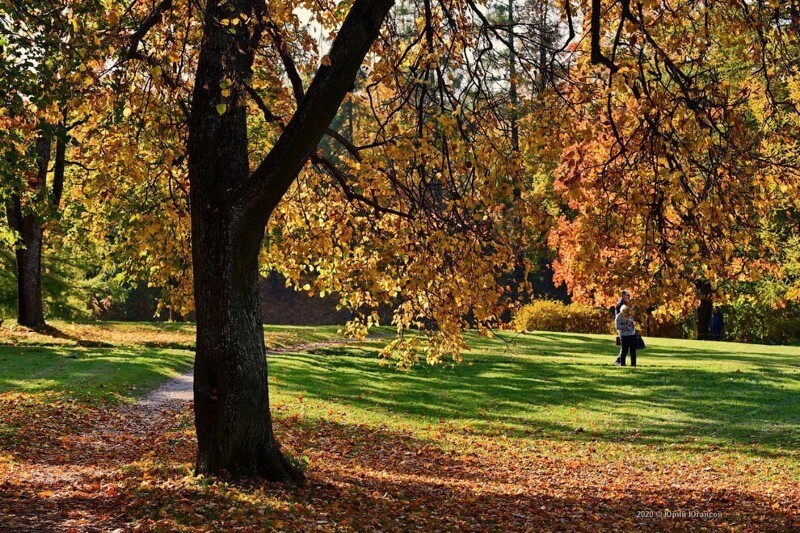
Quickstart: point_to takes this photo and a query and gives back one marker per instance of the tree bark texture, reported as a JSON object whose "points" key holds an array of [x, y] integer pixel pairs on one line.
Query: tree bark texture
{"points": [[30, 309], [230, 208], [28, 224]]}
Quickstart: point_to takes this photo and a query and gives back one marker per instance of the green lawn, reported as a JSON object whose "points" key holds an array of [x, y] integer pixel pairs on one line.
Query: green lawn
{"points": [[113, 374], [538, 432], [112, 361], [683, 395]]}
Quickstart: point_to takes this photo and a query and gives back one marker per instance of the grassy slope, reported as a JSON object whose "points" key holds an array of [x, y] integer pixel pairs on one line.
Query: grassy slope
{"points": [[685, 396], [89, 373], [542, 430], [111, 361], [684, 392]]}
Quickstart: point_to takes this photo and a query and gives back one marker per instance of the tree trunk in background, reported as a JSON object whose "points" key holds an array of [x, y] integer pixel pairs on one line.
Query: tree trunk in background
{"points": [[59, 165], [704, 310], [544, 75], [30, 309]]}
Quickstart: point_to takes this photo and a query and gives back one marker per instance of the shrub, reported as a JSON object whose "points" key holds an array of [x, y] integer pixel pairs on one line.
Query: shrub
{"points": [[550, 315], [749, 321], [745, 320]]}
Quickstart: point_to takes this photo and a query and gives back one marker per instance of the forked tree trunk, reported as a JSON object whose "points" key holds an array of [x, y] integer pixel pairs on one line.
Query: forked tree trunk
{"points": [[234, 430], [230, 209]]}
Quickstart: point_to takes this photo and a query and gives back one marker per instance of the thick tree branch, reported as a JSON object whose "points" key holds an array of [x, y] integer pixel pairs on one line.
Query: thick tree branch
{"points": [[59, 167], [269, 116], [79, 164], [595, 29], [570, 26], [261, 192], [147, 24], [288, 63], [350, 147]]}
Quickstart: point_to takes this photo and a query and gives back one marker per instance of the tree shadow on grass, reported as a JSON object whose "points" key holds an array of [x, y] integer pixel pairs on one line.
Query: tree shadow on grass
{"points": [[56, 333], [375, 479], [515, 395], [758, 355], [66, 368], [364, 478], [49, 397], [405, 482]]}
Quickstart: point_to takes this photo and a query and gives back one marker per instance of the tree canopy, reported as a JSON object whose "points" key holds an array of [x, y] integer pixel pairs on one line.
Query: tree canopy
{"points": [[426, 156]]}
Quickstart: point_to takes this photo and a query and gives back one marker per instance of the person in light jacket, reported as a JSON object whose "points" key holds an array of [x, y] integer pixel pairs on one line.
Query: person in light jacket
{"points": [[627, 334]]}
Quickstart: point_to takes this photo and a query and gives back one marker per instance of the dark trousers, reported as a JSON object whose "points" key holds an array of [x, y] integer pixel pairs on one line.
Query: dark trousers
{"points": [[628, 343]]}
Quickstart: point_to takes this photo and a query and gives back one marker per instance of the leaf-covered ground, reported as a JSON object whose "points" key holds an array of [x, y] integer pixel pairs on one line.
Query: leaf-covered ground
{"points": [[544, 435]]}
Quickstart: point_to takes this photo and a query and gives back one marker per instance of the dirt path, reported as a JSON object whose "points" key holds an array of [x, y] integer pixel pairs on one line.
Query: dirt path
{"points": [[68, 464], [179, 389], [65, 474]]}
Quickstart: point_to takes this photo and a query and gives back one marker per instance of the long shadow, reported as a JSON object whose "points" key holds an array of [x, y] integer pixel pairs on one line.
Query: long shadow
{"points": [[119, 370], [700, 350], [375, 479], [751, 409], [368, 478], [56, 333]]}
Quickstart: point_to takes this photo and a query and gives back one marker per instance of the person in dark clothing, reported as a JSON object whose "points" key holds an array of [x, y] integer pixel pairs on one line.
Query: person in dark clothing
{"points": [[627, 333], [716, 324], [624, 299]]}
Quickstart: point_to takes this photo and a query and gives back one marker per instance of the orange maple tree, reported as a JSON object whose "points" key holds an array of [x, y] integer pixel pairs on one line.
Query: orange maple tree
{"points": [[679, 153]]}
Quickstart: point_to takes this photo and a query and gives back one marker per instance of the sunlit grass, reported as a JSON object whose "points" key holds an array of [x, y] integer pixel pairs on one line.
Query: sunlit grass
{"points": [[113, 374], [565, 428], [684, 394]]}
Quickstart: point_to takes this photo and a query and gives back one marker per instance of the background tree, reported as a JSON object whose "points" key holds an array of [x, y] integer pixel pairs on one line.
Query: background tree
{"points": [[669, 179], [45, 77]]}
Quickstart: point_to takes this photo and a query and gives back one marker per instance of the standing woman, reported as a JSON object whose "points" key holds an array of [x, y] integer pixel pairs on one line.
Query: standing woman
{"points": [[627, 334]]}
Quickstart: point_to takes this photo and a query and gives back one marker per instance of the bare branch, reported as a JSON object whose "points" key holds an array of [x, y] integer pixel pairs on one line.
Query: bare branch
{"points": [[262, 191], [597, 53]]}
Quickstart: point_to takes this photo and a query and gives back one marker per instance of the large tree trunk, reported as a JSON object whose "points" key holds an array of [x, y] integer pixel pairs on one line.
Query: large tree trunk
{"points": [[230, 209], [234, 430]]}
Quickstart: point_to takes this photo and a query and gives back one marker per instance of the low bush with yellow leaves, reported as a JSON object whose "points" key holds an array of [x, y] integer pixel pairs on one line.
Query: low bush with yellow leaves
{"points": [[551, 315]]}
